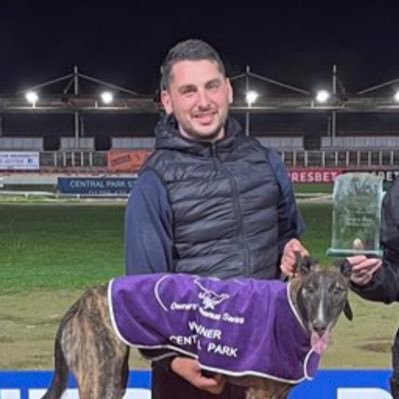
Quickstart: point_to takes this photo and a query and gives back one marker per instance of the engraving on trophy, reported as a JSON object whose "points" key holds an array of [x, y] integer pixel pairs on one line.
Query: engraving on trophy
{"points": [[356, 215]]}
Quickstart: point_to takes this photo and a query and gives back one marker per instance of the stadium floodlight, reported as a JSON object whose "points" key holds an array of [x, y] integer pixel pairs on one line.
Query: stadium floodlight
{"points": [[251, 97], [107, 97], [32, 97], [322, 96], [396, 96]]}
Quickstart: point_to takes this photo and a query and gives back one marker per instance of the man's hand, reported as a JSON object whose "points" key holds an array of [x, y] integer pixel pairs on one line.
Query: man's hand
{"points": [[189, 370], [288, 260], [363, 268]]}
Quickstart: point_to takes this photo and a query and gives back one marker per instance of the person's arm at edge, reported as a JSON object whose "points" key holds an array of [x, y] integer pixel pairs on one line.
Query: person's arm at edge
{"points": [[383, 285]]}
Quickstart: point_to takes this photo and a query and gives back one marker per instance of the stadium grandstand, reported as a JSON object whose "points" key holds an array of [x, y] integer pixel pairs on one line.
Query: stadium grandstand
{"points": [[65, 126]]}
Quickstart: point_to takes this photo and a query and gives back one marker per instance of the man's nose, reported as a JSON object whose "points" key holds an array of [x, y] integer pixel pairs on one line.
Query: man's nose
{"points": [[203, 99]]}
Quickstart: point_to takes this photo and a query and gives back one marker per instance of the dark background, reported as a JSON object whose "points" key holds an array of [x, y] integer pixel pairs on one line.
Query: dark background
{"points": [[124, 42]]}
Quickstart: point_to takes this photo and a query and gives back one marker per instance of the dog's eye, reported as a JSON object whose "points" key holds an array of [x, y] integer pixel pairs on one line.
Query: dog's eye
{"points": [[310, 290], [338, 289]]}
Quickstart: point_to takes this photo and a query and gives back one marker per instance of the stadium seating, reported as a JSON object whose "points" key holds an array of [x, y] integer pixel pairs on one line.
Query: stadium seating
{"points": [[119, 143], [21, 143], [282, 143], [360, 143], [72, 143]]}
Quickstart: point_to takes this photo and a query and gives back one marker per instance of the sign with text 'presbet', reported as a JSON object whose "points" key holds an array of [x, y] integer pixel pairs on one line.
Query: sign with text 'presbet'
{"points": [[312, 175], [328, 175], [328, 384]]}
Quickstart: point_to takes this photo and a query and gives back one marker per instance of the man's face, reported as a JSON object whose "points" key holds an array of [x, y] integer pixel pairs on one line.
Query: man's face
{"points": [[199, 97]]}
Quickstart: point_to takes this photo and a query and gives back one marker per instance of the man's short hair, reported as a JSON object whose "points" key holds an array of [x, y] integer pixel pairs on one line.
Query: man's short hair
{"points": [[188, 50]]}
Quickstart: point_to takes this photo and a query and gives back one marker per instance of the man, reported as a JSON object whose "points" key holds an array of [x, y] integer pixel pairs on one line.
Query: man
{"points": [[378, 280], [209, 201]]}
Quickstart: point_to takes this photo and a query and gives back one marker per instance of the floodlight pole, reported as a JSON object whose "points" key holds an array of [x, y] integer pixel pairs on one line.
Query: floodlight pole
{"points": [[76, 93], [1, 125], [247, 120], [334, 112]]}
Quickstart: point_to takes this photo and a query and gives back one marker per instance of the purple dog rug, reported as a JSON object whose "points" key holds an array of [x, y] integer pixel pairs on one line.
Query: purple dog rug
{"points": [[237, 327]]}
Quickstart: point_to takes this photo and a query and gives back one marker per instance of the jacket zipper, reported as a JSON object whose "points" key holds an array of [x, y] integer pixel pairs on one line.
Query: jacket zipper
{"points": [[236, 205]]}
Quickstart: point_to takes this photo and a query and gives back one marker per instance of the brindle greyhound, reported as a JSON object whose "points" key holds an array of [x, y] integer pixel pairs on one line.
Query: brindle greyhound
{"points": [[86, 342]]}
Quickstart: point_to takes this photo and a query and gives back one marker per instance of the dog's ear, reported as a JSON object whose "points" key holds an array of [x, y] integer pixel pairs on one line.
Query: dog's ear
{"points": [[305, 264], [344, 267], [348, 311]]}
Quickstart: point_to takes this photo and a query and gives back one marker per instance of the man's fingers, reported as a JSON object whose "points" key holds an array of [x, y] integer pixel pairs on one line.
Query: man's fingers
{"points": [[356, 260], [287, 266], [361, 279], [295, 245], [363, 273], [367, 264]]}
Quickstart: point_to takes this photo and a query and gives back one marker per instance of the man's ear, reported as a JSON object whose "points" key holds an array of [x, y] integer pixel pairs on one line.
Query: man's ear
{"points": [[166, 102], [230, 92]]}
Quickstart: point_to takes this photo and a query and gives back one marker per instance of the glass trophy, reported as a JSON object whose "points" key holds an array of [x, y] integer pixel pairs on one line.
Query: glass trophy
{"points": [[356, 215]]}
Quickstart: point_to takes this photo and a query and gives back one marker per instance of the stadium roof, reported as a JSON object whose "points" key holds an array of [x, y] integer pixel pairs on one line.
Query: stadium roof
{"points": [[283, 99]]}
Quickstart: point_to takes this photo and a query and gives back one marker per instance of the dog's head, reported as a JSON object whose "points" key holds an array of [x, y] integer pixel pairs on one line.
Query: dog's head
{"points": [[321, 297]]}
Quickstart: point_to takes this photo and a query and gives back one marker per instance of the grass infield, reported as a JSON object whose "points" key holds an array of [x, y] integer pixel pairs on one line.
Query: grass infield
{"points": [[50, 252]]}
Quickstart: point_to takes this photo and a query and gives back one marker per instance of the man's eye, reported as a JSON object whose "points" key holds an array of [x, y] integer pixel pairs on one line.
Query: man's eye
{"points": [[213, 86], [188, 91]]}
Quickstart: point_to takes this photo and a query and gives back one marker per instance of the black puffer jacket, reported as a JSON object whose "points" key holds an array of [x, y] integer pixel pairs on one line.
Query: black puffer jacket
{"points": [[224, 198]]}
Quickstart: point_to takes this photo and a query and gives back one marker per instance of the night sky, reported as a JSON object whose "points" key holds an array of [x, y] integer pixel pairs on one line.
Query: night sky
{"points": [[124, 42]]}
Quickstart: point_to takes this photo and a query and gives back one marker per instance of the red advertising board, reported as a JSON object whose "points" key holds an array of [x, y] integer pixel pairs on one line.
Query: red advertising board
{"points": [[126, 161]]}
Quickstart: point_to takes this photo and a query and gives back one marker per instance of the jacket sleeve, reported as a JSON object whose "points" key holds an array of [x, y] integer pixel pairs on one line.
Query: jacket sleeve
{"points": [[384, 287], [290, 222], [148, 227], [149, 239]]}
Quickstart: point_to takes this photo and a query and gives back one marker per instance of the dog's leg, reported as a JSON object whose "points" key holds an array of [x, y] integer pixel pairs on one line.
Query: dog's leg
{"points": [[258, 393], [284, 393], [103, 371], [60, 378], [93, 352], [269, 390], [113, 375], [125, 373], [61, 369]]}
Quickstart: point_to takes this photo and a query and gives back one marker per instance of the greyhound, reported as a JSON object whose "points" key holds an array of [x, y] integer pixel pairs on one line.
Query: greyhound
{"points": [[91, 344]]}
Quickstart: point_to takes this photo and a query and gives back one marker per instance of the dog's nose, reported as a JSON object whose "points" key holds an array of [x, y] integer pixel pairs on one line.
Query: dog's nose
{"points": [[319, 327]]}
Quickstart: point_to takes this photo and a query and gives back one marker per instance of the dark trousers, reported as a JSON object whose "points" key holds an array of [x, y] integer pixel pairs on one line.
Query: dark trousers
{"points": [[395, 365], [168, 385]]}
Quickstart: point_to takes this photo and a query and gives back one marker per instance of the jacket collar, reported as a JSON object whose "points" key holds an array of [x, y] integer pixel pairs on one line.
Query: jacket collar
{"points": [[168, 137]]}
